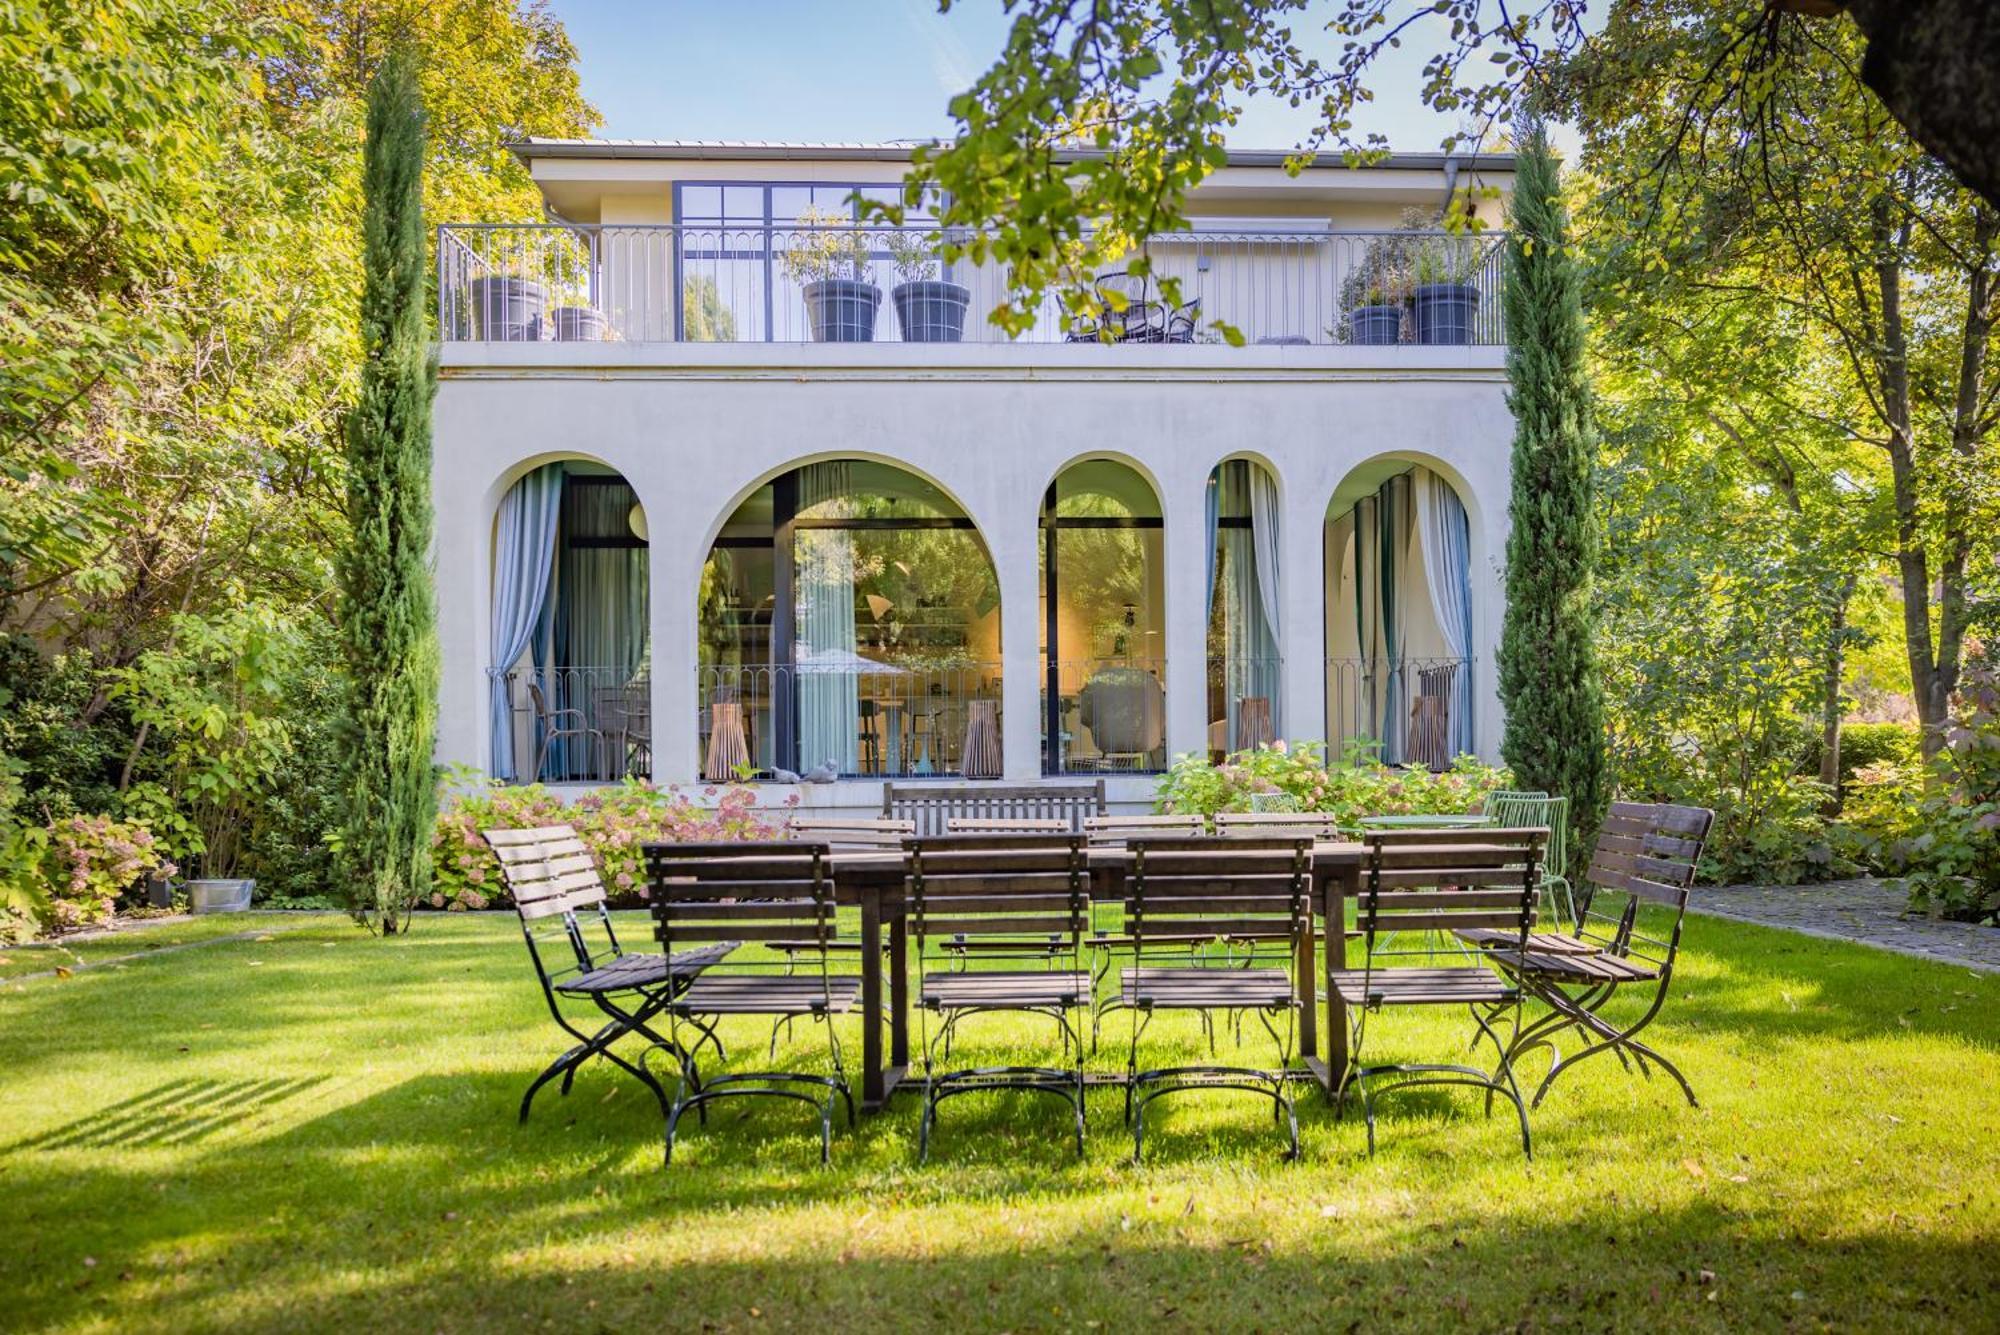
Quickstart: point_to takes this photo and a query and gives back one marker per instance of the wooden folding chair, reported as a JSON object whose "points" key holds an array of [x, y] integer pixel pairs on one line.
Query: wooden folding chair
{"points": [[1643, 850], [552, 878], [761, 892], [1432, 883], [1243, 889], [1014, 893]]}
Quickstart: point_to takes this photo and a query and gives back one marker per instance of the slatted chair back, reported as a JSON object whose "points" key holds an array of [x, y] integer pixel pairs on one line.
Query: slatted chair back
{"points": [[1276, 825], [773, 890], [1643, 850], [993, 889], [552, 878], [930, 806], [1436, 882], [1005, 825], [1237, 889], [853, 833], [1120, 829]]}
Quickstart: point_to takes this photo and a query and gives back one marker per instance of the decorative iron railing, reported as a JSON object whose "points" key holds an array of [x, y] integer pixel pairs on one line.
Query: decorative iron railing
{"points": [[1415, 711], [683, 283], [873, 719], [580, 724]]}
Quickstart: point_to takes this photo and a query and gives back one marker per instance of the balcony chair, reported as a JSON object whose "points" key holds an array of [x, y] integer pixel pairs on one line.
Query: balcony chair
{"points": [[553, 726]]}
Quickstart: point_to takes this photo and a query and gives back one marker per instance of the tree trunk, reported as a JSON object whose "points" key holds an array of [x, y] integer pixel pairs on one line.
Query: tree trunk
{"points": [[1936, 66], [1830, 698]]}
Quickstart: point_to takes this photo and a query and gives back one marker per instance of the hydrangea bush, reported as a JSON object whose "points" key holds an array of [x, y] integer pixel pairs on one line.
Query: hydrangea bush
{"points": [[93, 860], [613, 822], [1294, 776]]}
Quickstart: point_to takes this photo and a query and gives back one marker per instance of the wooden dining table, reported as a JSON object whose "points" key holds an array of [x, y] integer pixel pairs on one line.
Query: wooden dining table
{"points": [[872, 881]]}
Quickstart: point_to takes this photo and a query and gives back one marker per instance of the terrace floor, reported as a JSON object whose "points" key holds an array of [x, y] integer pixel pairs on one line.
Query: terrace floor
{"points": [[311, 1128]]}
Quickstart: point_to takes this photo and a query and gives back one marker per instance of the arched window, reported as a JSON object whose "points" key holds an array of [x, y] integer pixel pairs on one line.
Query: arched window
{"points": [[849, 619], [1399, 616], [570, 696], [1103, 622], [1245, 667]]}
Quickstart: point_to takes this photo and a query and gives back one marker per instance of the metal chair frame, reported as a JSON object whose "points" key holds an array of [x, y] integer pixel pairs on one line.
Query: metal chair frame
{"points": [[553, 879], [1439, 882], [1208, 886], [1522, 810], [764, 892], [1012, 891], [550, 729]]}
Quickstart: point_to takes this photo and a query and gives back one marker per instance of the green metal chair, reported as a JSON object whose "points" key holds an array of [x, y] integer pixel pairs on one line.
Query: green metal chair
{"points": [[1525, 810]]}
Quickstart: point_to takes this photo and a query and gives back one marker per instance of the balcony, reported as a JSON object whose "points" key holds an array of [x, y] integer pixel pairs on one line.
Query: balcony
{"points": [[793, 284]]}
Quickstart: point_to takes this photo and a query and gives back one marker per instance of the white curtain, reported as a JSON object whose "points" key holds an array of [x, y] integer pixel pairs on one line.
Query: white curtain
{"points": [[524, 555], [828, 665], [1445, 531]]}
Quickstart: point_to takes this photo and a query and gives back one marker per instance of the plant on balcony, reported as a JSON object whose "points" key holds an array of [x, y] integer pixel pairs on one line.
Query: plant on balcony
{"points": [[1374, 291], [828, 258], [1442, 297], [928, 309]]}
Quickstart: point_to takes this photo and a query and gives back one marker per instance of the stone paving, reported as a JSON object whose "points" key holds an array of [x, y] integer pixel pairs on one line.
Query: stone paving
{"points": [[1864, 911]]}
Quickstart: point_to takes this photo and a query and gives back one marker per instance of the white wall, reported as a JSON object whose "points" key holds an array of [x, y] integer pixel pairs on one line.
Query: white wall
{"points": [[695, 427]]}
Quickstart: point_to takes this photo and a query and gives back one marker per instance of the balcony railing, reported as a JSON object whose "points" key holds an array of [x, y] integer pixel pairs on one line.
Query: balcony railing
{"points": [[693, 284], [580, 724]]}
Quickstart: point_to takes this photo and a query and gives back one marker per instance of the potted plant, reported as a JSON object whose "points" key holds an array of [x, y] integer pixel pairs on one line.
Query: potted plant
{"points": [[573, 322], [829, 260], [1442, 301], [507, 308], [928, 309], [1373, 292]]}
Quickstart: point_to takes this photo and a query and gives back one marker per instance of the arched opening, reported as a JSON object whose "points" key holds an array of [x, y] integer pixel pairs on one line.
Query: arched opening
{"points": [[849, 622], [1399, 671], [569, 637], [1245, 667], [1103, 622]]}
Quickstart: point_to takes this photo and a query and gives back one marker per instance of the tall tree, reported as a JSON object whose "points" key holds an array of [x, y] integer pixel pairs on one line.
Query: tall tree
{"points": [[387, 615], [1549, 685]]}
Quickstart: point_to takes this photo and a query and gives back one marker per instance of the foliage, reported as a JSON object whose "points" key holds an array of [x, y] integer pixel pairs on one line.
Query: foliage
{"points": [[388, 626], [1875, 746], [1295, 777], [216, 694], [1959, 847], [92, 860], [914, 255], [1549, 686], [613, 822], [826, 246]]}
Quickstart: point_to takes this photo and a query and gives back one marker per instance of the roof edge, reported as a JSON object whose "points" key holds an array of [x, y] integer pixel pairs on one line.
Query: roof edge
{"points": [[528, 150]]}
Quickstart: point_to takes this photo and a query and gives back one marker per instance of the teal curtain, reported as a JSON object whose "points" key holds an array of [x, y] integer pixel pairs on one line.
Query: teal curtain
{"points": [[599, 630], [1392, 504], [828, 666], [1250, 642]]}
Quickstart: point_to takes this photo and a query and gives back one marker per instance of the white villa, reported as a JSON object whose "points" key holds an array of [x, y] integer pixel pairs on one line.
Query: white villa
{"points": [[729, 485]]}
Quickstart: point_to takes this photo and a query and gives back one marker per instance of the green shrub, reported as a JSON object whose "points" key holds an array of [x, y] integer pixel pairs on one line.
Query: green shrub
{"points": [[613, 822], [92, 860], [1958, 852], [1295, 777], [1882, 817]]}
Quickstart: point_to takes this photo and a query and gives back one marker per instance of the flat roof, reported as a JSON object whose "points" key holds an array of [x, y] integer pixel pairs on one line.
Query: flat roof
{"points": [[697, 150]]}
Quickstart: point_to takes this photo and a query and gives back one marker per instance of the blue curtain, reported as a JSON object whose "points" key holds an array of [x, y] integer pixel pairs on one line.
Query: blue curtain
{"points": [[1446, 534], [828, 666], [523, 561], [1250, 641]]}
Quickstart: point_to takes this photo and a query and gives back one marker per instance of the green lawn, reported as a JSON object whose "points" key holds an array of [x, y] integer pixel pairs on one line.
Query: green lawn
{"points": [[316, 1130]]}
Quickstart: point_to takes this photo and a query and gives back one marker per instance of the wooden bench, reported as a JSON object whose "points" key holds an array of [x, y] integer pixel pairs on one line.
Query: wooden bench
{"points": [[932, 806]]}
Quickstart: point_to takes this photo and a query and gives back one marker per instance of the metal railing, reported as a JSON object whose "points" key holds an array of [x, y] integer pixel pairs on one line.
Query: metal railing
{"points": [[1113, 716], [883, 720], [683, 283], [1243, 700], [580, 724], [1406, 706]]}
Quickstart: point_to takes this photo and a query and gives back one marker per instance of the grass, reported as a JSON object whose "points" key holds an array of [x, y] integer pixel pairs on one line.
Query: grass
{"points": [[120, 948], [316, 1130]]}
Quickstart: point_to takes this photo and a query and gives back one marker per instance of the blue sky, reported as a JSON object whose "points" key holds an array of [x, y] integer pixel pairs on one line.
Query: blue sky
{"points": [[840, 70]]}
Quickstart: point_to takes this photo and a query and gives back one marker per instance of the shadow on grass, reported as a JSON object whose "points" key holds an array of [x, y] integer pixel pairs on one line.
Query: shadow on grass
{"points": [[186, 1111]]}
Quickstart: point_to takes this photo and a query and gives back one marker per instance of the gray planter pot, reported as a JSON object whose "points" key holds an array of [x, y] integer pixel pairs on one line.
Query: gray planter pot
{"points": [[1442, 312], [1376, 325], [930, 311], [232, 896], [506, 309], [842, 310], [572, 324]]}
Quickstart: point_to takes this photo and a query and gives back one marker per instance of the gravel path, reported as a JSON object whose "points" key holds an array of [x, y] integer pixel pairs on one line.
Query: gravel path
{"points": [[1863, 911]]}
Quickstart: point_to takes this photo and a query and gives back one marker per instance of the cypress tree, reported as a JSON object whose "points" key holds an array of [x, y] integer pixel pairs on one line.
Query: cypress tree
{"points": [[388, 630], [1549, 683]]}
